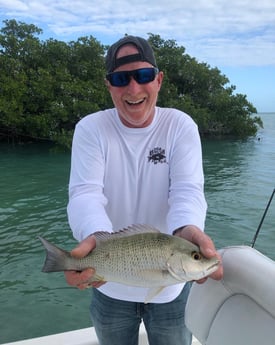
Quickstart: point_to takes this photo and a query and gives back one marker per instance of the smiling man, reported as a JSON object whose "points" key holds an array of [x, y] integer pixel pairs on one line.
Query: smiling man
{"points": [[135, 101], [136, 164]]}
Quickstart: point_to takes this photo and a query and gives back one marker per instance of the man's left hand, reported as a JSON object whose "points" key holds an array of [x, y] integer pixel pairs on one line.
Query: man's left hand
{"points": [[193, 234]]}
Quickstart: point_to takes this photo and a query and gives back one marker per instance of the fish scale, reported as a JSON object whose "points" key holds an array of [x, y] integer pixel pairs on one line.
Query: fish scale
{"points": [[137, 256], [149, 253]]}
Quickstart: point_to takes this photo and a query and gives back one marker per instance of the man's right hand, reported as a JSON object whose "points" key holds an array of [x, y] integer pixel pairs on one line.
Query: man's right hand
{"points": [[83, 279]]}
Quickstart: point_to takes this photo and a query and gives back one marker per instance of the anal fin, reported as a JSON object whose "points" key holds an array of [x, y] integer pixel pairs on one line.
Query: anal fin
{"points": [[96, 278]]}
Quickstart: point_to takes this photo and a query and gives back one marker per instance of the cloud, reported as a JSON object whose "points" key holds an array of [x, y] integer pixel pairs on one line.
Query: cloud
{"points": [[218, 32]]}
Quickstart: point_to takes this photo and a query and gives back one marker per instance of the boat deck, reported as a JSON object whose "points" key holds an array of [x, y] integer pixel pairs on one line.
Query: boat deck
{"points": [[85, 336]]}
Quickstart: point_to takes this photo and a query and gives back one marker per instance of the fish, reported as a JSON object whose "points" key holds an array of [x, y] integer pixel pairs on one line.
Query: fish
{"points": [[139, 255]]}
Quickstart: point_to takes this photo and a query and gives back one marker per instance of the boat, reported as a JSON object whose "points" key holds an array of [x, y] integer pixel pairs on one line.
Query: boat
{"points": [[239, 309], [85, 336]]}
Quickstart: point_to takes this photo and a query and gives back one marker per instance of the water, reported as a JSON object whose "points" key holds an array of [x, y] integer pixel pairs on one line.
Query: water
{"points": [[239, 180], [239, 176]]}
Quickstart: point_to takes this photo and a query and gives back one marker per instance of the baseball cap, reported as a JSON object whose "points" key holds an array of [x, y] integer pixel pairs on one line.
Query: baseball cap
{"points": [[145, 53]]}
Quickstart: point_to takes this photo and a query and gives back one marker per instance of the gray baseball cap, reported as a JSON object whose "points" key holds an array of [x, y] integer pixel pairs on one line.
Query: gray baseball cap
{"points": [[145, 53]]}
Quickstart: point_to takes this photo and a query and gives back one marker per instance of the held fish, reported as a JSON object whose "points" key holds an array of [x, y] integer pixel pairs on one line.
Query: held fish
{"points": [[138, 256]]}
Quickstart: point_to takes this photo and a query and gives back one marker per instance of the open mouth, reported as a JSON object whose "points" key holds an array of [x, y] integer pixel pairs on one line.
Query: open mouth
{"points": [[215, 265], [133, 103]]}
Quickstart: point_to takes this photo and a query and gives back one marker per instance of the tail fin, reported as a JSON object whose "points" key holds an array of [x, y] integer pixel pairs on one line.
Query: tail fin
{"points": [[56, 258]]}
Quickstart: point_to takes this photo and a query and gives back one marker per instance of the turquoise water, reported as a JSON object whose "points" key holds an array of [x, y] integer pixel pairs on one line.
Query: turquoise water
{"points": [[239, 179]]}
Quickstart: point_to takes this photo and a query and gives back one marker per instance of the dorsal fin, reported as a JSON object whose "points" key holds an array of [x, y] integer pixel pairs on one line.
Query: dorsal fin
{"points": [[102, 236]]}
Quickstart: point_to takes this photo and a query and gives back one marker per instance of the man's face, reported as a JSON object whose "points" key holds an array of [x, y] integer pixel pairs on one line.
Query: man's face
{"points": [[135, 102]]}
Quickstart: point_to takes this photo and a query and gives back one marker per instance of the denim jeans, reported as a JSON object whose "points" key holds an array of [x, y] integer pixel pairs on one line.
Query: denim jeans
{"points": [[117, 322]]}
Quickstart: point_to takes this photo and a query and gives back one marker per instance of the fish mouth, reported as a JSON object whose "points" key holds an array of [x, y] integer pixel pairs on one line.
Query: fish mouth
{"points": [[215, 265]]}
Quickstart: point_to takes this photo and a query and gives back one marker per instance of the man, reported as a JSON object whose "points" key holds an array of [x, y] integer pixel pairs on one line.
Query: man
{"points": [[136, 164]]}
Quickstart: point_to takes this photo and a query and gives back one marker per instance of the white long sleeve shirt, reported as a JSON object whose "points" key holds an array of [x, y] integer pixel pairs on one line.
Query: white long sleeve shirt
{"points": [[122, 176]]}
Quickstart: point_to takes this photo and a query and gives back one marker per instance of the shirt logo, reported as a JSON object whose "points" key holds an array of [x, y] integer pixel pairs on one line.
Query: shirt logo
{"points": [[157, 155]]}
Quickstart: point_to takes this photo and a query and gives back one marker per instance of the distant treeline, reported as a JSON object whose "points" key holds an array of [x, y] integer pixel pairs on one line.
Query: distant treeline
{"points": [[47, 86]]}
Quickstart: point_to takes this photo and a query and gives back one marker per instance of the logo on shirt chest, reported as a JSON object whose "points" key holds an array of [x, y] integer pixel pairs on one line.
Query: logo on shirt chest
{"points": [[157, 155]]}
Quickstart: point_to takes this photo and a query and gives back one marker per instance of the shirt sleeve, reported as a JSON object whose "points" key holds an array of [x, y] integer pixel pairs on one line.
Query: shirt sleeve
{"points": [[86, 207], [187, 204]]}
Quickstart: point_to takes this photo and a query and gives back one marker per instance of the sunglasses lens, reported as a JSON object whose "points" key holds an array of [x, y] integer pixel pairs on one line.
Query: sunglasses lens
{"points": [[141, 76], [145, 75], [119, 78]]}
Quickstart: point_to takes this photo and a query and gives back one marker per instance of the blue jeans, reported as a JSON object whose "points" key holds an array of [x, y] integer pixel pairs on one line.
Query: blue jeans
{"points": [[117, 322]]}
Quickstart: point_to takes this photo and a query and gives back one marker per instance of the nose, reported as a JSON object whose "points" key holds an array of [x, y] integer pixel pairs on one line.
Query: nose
{"points": [[133, 85]]}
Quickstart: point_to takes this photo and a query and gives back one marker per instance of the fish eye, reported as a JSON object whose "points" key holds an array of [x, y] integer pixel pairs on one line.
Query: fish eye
{"points": [[196, 256]]}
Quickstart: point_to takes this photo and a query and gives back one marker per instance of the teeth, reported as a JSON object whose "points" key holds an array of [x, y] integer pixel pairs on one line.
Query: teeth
{"points": [[136, 102]]}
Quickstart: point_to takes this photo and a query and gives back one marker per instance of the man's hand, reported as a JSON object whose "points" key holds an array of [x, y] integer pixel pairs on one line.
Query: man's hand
{"points": [[195, 235], [83, 280]]}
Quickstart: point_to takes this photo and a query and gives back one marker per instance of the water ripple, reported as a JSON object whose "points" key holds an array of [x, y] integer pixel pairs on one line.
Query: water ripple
{"points": [[239, 178]]}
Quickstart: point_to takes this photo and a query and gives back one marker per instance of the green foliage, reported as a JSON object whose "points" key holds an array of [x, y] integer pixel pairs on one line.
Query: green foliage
{"points": [[202, 92], [47, 86]]}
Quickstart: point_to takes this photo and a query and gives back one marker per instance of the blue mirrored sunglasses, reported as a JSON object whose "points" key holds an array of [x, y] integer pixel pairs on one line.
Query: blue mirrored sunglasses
{"points": [[141, 76]]}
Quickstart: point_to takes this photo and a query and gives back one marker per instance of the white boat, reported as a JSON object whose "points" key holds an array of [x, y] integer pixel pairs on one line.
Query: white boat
{"points": [[239, 309], [84, 336]]}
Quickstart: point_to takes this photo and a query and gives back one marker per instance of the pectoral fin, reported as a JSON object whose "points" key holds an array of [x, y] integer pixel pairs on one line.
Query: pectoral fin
{"points": [[178, 275], [96, 278], [152, 293]]}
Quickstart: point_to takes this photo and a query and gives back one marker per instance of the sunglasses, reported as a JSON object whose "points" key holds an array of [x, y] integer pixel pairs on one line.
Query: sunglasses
{"points": [[141, 76]]}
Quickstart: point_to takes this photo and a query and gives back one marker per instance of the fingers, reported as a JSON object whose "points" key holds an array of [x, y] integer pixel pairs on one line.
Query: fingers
{"points": [[77, 279], [218, 274], [96, 284], [83, 279], [84, 247], [206, 245], [198, 237], [208, 249], [201, 281]]}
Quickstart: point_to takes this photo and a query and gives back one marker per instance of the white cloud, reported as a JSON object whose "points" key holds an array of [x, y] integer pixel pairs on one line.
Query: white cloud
{"points": [[239, 32], [6, 6]]}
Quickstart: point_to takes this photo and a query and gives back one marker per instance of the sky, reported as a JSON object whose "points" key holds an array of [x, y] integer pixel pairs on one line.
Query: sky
{"points": [[236, 36]]}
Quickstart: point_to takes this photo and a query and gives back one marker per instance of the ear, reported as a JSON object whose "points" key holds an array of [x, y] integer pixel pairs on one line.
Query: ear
{"points": [[107, 83], [160, 79]]}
